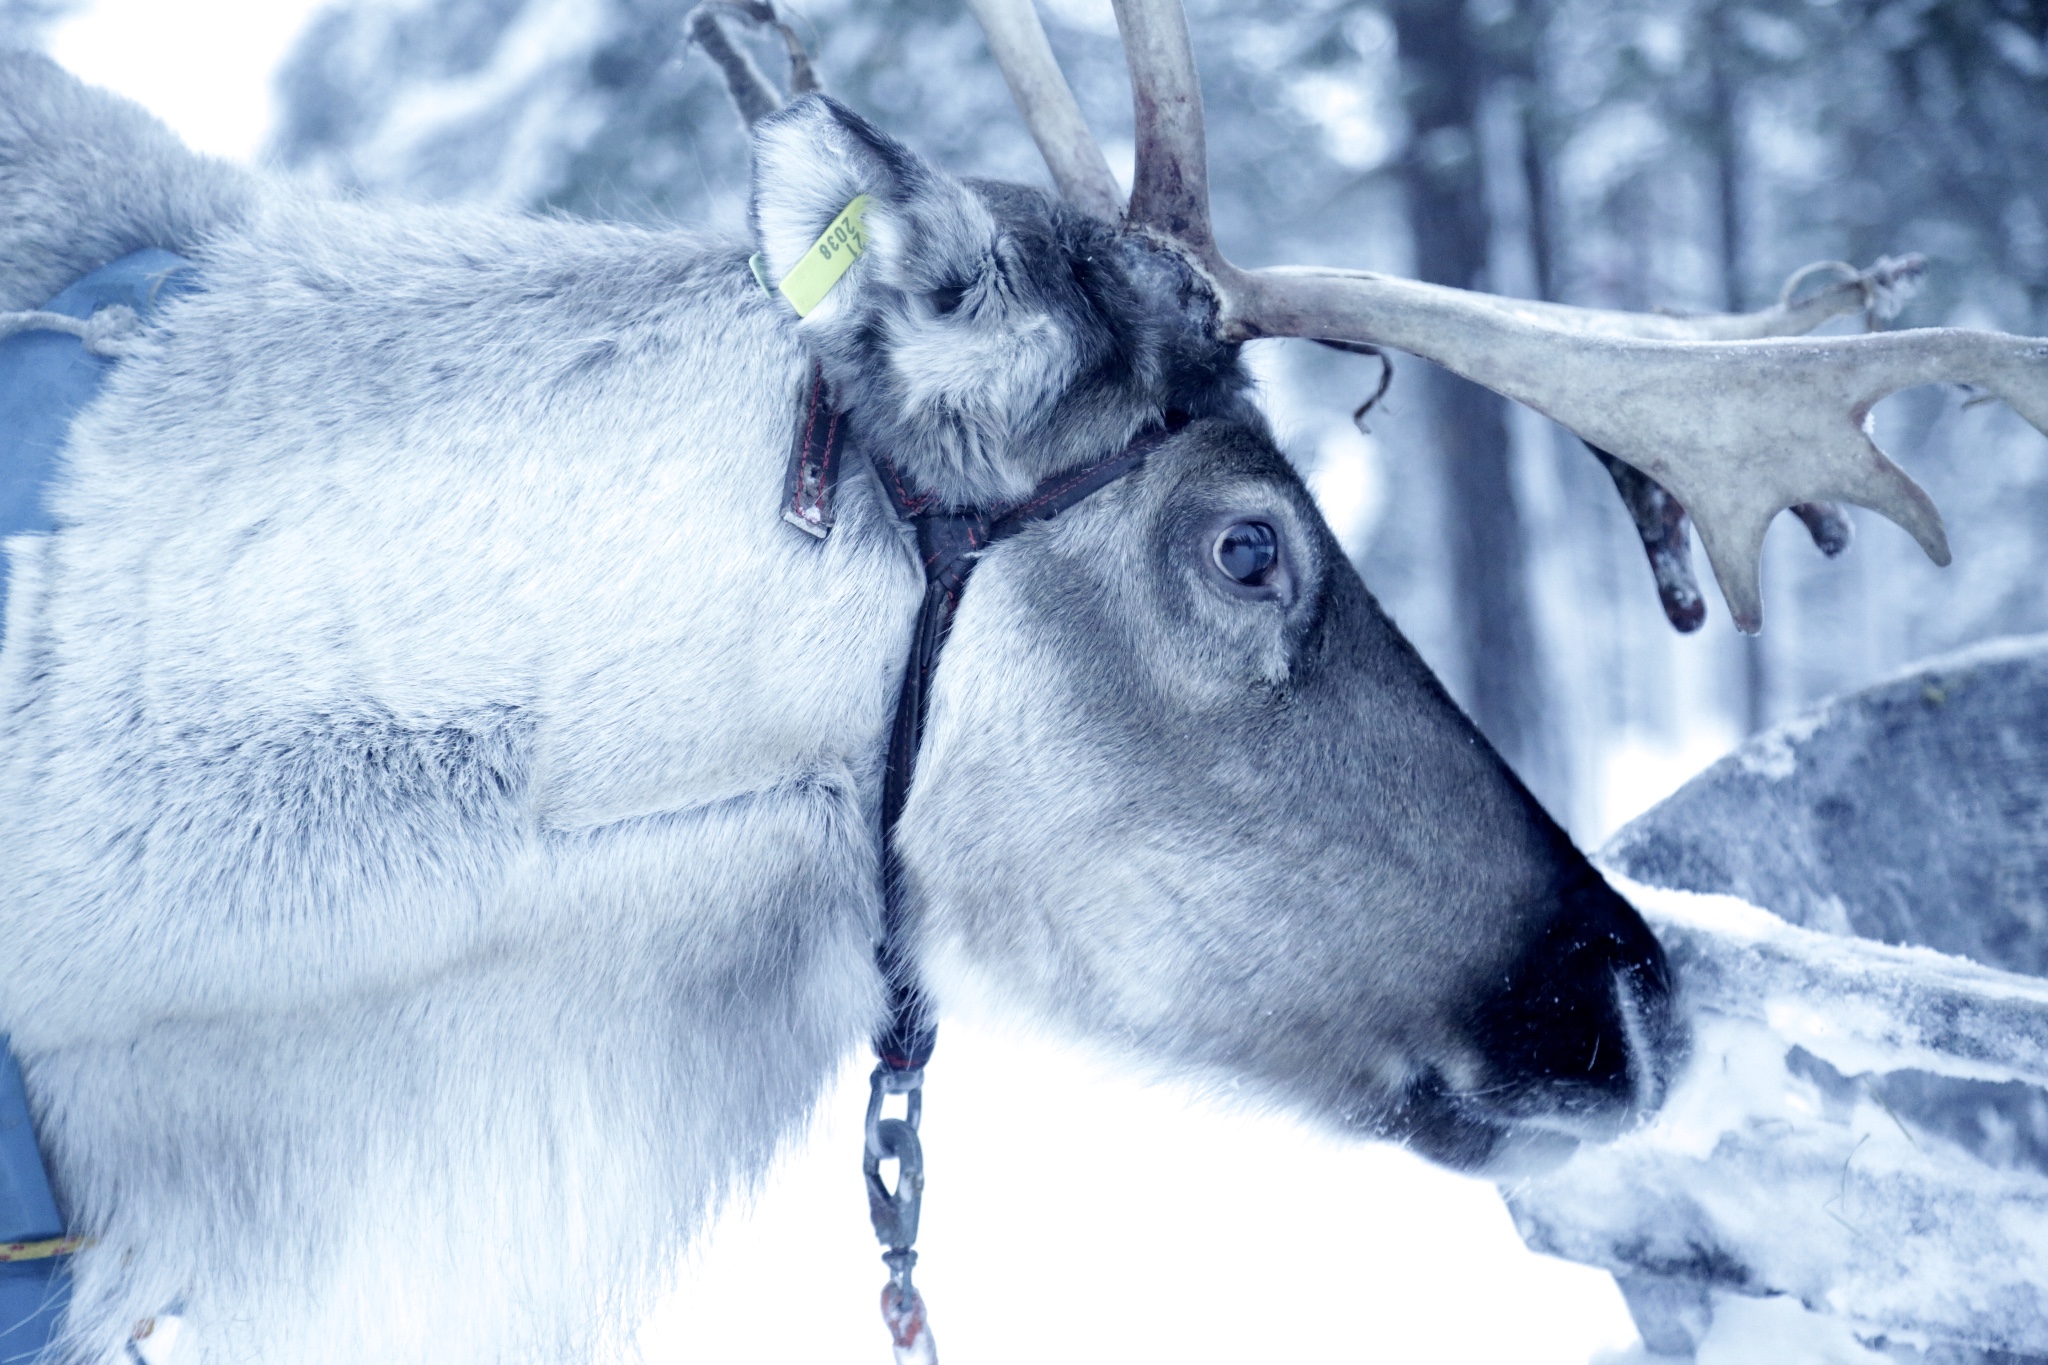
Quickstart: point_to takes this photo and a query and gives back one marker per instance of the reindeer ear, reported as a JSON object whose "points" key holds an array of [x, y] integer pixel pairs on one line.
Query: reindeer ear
{"points": [[813, 158]]}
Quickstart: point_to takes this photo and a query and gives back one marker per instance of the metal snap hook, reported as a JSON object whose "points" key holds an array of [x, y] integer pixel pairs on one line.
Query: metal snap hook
{"points": [[895, 1212]]}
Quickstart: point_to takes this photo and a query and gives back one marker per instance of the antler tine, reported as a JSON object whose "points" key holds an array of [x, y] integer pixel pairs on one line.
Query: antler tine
{"points": [[1170, 181], [1879, 289], [751, 91], [1047, 103]]}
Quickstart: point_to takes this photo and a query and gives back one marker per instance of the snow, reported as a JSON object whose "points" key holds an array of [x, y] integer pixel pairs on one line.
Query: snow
{"points": [[1777, 1330], [1858, 1005], [1771, 756], [1072, 1214], [523, 78], [1863, 1123], [1778, 1164]]}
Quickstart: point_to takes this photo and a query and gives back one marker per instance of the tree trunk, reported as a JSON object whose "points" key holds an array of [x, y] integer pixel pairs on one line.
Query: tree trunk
{"points": [[1726, 132], [1444, 76]]}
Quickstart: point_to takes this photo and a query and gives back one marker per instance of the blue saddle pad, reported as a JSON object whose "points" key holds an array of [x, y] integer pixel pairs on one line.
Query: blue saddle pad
{"points": [[45, 379], [32, 1293], [33, 1296]]}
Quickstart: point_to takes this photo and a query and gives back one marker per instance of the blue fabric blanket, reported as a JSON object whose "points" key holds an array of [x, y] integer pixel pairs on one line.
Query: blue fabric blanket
{"points": [[45, 379], [32, 1293]]}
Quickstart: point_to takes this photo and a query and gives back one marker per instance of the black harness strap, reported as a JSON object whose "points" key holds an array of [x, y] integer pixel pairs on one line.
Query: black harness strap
{"points": [[814, 464], [950, 544]]}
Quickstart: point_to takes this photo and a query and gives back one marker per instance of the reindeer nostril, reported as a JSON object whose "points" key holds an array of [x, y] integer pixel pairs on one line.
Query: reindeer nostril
{"points": [[1582, 1025]]}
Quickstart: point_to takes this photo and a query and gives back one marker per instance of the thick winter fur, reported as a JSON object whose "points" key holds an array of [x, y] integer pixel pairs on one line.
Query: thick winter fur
{"points": [[438, 841], [438, 793]]}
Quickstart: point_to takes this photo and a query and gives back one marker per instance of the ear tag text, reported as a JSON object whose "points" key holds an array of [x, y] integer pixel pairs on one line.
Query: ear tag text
{"points": [[829, 257]]}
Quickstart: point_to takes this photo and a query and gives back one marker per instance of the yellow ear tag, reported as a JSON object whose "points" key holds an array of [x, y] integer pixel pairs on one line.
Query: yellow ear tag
{"points": [[840, 245]]}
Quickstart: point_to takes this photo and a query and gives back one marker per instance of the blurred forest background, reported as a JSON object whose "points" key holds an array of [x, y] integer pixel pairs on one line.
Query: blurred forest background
{"points": [[1682, 154]]}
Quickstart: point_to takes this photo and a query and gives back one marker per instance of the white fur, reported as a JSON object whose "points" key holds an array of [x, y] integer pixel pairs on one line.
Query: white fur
{"points": [[436, 851]]}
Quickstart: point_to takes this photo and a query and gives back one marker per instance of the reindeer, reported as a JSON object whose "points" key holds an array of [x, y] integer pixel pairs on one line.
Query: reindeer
{"points": [[443, 799]]}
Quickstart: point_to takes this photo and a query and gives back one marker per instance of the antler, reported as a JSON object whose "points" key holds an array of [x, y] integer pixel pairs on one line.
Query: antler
{"points": [[1728, 412], [1018, 41], [751, 91]]}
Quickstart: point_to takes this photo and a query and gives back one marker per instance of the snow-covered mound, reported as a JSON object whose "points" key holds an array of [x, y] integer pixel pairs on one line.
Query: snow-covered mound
{"points": [[1915, 811], [1862, 1125]]}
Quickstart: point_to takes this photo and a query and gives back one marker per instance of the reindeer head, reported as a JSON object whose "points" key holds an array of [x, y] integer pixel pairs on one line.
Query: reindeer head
{"points": [[1188, 794], [1285, 858]]}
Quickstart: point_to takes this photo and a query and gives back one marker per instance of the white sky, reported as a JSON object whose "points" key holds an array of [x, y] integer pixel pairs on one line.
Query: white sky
{"points": [[1071, 1215], [203, 66]]}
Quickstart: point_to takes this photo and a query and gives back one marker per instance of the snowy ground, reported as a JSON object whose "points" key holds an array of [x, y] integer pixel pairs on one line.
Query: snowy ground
{"points": [[1073, 1215]]}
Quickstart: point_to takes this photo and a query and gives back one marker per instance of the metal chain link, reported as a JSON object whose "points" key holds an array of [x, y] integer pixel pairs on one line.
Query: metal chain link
{"points": [[895, 1212]]}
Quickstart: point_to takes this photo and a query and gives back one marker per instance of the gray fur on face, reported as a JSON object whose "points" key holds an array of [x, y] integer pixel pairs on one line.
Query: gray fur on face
{"points": [[438, 794], [1250, 839]]}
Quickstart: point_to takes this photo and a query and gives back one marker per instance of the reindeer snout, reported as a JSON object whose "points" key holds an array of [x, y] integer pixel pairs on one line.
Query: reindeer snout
{"points": [[1582, 1037], [1573, 1042]]}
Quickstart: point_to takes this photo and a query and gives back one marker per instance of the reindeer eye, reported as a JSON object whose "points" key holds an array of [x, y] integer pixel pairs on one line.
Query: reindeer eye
{"points": [[947, 298], [1247, 552]]}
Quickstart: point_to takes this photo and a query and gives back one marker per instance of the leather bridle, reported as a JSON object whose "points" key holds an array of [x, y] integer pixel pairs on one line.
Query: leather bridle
{"points": [[950, 542]]}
